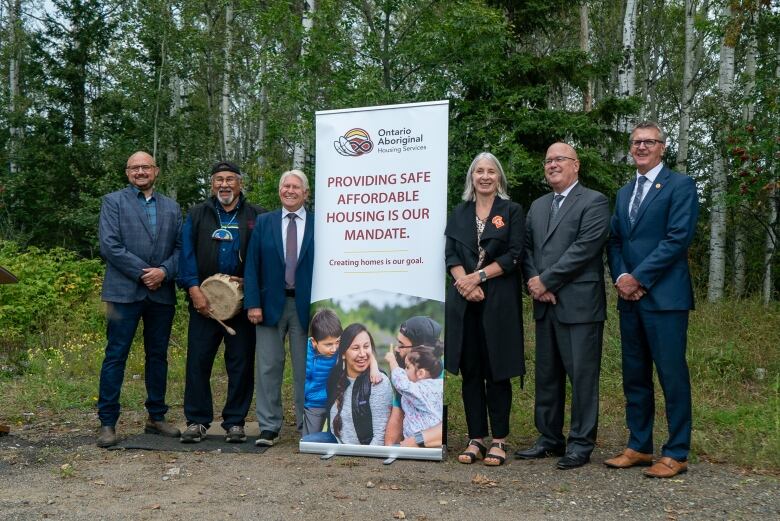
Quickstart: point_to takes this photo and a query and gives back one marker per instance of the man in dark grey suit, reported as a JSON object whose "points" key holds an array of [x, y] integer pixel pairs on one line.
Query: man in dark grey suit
{"points": [[566, 233], [139, 240]]}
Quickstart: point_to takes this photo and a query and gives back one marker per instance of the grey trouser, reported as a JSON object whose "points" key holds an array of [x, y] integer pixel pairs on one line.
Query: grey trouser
{"points": [[269, 368], [314, 419]]}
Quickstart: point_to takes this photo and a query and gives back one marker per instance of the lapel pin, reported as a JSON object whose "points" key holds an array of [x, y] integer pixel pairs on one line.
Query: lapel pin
{"points": [[497, 221], [658, 186]]}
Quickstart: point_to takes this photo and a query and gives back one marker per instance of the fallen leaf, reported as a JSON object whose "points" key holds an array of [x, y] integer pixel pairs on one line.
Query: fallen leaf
{"points": [[340, 496], [399, 515], [99, 482], [156, 506], [483, 480]]}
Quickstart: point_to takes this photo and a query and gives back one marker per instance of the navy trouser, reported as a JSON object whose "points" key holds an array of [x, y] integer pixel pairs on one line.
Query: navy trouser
{"points": [[203, 340], [123, 320], [660, 338]]}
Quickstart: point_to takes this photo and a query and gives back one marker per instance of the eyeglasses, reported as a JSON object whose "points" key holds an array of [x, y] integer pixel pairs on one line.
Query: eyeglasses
{"points": [[559, 159], [229, 180], [140, 168], [648, 143]]}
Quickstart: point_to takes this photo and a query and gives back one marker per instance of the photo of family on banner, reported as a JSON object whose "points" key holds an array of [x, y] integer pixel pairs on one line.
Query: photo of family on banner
{"points": [[374, 362]]}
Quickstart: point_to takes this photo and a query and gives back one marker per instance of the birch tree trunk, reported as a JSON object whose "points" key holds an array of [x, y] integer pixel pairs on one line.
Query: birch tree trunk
{"points": [[774, 201], [748, 110], [717, 269], [14, 65], [155, 132], [261, 127], [227, 134], [687, 87], [171, 154], [771, 238], [627, 69], [740, 261], [587, 96], [299, 152]]}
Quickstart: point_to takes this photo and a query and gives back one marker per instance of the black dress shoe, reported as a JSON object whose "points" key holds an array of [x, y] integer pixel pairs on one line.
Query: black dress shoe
{"points": [[572, 461], [539, 451], [266, 439]]}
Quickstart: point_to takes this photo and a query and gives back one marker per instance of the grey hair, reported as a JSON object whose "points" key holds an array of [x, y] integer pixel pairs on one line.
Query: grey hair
{"points": [[651, 124], [468, 190], [297, 173]]}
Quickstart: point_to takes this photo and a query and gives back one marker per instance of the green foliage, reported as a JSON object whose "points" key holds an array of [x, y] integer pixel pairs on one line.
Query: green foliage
{"points": [[53, 285]]}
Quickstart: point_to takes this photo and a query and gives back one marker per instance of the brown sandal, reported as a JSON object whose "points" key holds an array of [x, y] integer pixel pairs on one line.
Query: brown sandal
{"points": [[495, 460], [468, 457]]}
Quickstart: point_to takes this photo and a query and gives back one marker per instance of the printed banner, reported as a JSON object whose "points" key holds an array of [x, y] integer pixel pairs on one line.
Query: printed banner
{"points": [[374, 362]]}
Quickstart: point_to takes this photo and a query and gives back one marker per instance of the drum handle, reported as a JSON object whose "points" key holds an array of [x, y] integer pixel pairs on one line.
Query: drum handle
{"points": [[229, 329]]}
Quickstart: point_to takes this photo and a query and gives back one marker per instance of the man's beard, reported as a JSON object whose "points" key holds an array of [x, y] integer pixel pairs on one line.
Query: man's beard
{"points": [[400, 359], [226, 199]]}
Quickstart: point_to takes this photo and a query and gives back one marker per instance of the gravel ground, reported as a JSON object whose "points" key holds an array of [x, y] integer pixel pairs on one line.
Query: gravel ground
{"points": [[58, 473]]}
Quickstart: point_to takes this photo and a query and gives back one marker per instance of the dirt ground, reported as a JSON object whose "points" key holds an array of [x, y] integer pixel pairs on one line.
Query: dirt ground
{"points": [[54, 471]]}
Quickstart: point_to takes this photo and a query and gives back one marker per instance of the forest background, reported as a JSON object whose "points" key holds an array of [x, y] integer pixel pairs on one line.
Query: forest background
{"points": [[87, 82]]}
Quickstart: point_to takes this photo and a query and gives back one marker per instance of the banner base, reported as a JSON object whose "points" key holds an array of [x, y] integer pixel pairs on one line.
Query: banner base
{"points": [[332, 449]]}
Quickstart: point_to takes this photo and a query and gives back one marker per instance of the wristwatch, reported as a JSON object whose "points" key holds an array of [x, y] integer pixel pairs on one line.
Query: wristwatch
{"points": [[482, 276], [418, 439]]}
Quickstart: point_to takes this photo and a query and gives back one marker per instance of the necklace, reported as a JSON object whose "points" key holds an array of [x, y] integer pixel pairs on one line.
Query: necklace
{"points": [[222, 233]]}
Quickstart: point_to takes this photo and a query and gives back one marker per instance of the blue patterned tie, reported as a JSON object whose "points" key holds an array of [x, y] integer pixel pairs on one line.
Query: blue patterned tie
{"points": [[637, 202]]}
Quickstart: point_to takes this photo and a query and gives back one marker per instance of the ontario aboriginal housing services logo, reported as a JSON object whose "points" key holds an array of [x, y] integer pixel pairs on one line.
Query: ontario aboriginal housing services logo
{"points": [[355, 142]]}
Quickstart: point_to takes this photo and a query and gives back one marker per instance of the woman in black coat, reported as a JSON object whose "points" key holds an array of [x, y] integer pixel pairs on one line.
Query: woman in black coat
{"points": [[484, 336]]}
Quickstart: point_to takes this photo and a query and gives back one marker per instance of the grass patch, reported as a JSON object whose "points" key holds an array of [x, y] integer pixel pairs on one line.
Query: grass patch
{"points": [[53, 370]]}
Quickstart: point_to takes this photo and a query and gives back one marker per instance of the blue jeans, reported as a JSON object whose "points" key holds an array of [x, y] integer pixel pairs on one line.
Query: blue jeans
{"points": [[123, 320], [320, 437]]}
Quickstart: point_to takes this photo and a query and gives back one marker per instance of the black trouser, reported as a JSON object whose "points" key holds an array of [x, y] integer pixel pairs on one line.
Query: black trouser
{"points": [[572, 350], [483, 397], [204, 338]]}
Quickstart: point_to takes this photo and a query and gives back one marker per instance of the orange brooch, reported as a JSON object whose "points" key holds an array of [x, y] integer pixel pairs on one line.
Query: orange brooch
{"points": [[497, 221]]}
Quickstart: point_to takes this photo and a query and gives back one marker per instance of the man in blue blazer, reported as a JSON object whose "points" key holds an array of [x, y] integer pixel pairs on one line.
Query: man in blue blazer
{"points": [[651, 230], [139, 240], [277, 295]]}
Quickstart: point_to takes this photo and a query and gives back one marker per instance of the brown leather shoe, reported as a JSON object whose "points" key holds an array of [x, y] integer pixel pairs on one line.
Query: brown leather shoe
{"points": [[107, 437], [666, 467], [629, 458], [162, 428]]}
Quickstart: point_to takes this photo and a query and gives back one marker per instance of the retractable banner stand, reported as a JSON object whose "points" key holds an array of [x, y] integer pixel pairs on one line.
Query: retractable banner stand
{"points": [[374, 377]]}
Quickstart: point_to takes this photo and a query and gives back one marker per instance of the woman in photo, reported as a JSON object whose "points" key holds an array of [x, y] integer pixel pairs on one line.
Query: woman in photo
{"points": [[484, 335], [358, 410]]}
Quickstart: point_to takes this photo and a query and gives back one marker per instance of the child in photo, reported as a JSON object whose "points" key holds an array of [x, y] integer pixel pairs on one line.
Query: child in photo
{"points": [[421, 389], [325, 330]]}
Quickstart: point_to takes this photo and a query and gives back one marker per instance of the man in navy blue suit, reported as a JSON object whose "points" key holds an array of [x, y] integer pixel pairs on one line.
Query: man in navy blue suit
{"points": [[139, 240], [277, 295], [651, 230]]}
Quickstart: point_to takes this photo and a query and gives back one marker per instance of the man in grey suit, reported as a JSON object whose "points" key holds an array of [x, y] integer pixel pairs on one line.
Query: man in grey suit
{"points": [[139, 240], [566, 233]]}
